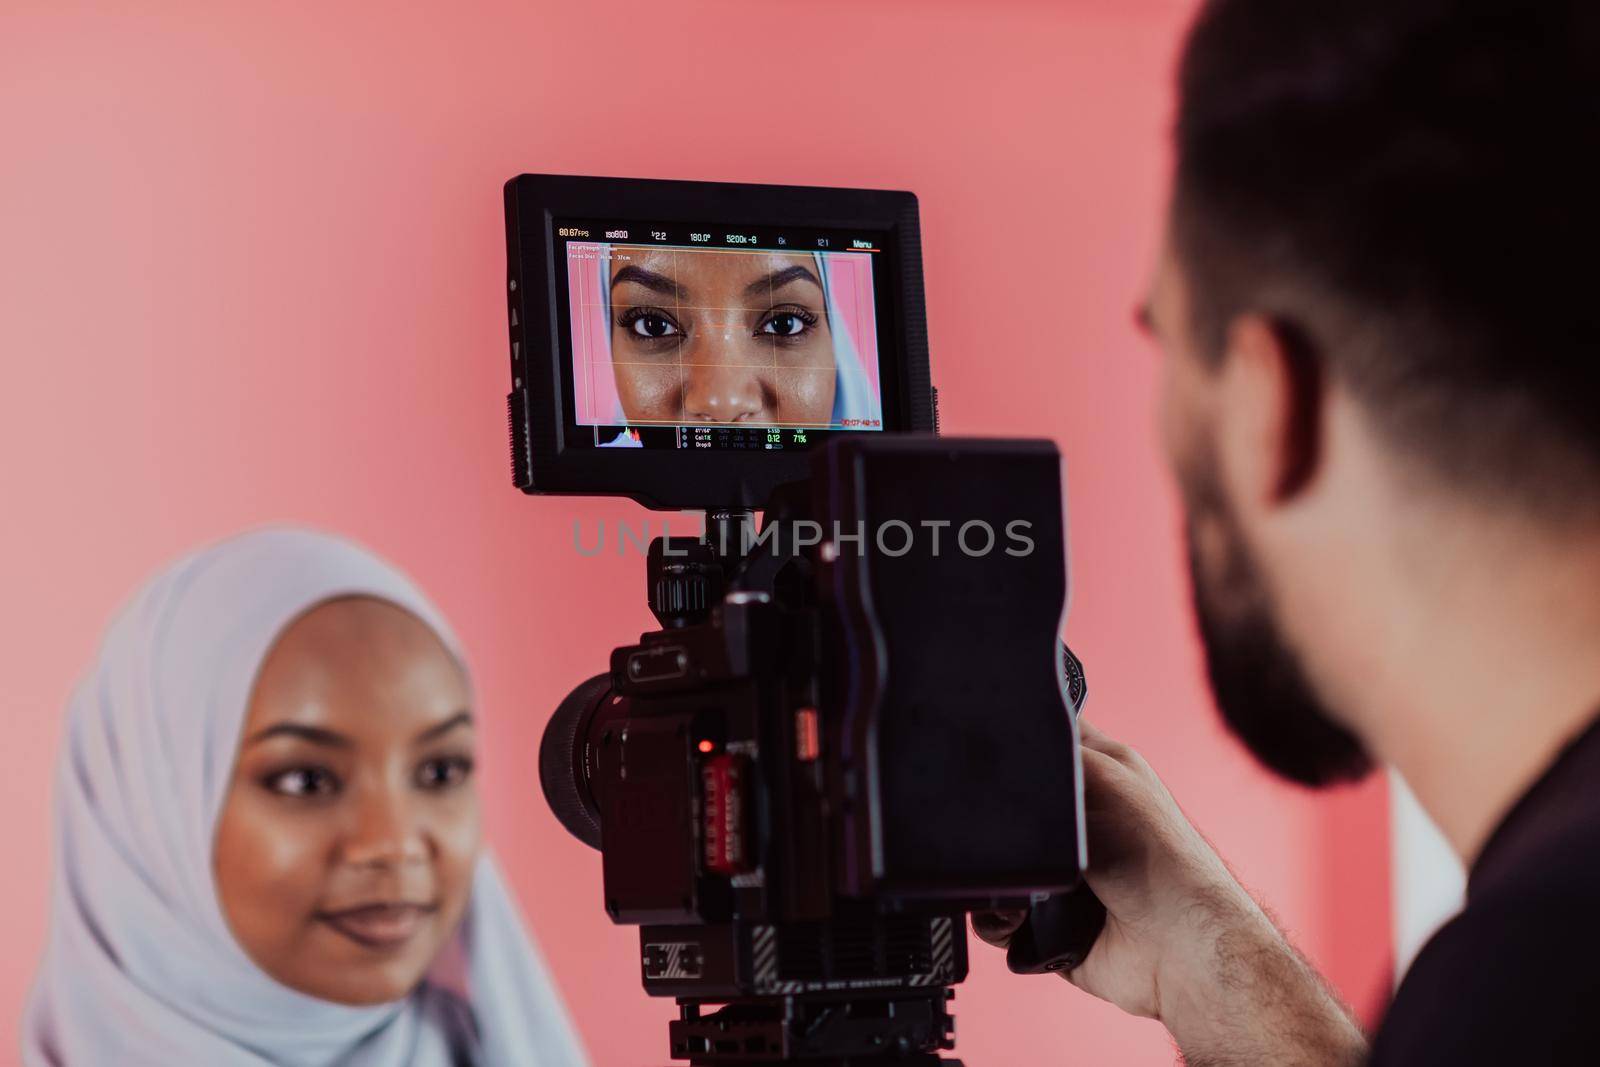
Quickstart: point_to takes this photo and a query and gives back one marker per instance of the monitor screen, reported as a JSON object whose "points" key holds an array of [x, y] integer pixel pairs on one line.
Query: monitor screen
{"points": [[716, 337], [698, 344]]}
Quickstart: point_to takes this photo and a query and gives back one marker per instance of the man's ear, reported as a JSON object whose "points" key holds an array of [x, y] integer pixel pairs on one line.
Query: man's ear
{"points": [[1270, 411]]}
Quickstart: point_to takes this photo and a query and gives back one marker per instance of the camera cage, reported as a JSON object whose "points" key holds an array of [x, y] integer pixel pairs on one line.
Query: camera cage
{"points": [[544, 459]]}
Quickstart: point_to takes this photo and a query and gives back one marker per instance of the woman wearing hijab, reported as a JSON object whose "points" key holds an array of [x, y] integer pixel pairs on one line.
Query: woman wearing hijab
{"points": [[267, 834]]}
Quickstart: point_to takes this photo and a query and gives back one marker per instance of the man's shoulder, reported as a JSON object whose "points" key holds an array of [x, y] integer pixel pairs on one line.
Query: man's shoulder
{"points": [[1513, 978], [1549, 846]]}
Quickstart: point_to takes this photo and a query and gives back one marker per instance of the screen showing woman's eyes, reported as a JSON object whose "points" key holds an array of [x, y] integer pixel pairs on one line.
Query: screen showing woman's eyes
{"points": [[741, 338], [649, 324], [784, 325], [646, 324], [790, 323]]}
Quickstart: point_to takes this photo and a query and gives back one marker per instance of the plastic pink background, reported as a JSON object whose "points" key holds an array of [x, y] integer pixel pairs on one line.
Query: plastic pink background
{"points": [[251, 269], [850, 295]]}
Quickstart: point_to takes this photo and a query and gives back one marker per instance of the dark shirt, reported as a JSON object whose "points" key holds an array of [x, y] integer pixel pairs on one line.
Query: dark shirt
{"points": [[1515, 978]]}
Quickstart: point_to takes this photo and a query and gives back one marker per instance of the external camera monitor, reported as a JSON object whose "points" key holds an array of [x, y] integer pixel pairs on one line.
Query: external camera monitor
{"points": [[686, 344]]}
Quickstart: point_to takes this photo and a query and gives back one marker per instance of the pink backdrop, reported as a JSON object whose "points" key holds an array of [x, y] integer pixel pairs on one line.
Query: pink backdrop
{"points": [[251, 260]]}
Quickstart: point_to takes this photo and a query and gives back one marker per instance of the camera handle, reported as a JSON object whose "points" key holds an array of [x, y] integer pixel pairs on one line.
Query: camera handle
{"points": [[1058, 933], [1060, 929]]}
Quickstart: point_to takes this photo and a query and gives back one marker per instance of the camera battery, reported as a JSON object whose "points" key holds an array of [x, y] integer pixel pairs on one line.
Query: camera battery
{"points": [[725, 780]]}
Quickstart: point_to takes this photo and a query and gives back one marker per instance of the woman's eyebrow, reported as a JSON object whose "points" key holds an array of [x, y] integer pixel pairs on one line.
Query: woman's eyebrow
{"points": [[315, 734], [649, 279], [781, 277], [460, 718]]}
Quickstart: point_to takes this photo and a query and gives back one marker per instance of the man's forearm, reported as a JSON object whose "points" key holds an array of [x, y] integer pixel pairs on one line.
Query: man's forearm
{"points": [[1246, 997], [1185, 943]]}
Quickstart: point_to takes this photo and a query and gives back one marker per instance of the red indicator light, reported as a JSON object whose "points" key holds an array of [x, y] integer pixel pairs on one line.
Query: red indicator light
{"points": [[707, 747], [807, 735]]}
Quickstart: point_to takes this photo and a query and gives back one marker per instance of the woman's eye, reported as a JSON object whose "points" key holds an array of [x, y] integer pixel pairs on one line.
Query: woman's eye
{"points": [[444, 773], [785, 324], [653, 326], [304, 782]]}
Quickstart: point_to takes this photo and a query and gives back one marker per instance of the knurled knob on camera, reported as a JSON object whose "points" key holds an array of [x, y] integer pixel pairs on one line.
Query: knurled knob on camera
{"points": [[680, 594]]}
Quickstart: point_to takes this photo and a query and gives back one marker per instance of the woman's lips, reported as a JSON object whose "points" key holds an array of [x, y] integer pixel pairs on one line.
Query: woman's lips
{"points": [[383, 926]]}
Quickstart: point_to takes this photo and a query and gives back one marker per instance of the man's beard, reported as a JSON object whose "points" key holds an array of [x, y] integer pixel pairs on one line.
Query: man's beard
{"points": [[1261, 687]]}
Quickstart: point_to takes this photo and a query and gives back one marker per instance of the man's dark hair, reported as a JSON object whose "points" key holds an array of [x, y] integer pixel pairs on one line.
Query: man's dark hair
{"points": [[1411, 190]]}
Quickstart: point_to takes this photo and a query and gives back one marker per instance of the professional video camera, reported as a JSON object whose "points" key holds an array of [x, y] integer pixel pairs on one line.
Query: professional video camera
{"points": [[856, 722]]}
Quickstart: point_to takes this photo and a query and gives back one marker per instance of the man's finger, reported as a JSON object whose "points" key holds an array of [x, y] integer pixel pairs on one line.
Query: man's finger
{"points": [[1100, 741], [1091, 735], [997, 927]]}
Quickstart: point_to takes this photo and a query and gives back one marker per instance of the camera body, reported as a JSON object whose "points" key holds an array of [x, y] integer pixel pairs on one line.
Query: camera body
{"points": [[836, 745], [856, 722]]}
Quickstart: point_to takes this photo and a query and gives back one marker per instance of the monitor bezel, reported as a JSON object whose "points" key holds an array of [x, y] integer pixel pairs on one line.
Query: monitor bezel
{"points": [[672, 479]]}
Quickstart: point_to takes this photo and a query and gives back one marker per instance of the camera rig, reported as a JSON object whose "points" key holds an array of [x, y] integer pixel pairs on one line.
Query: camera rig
{"points": [[839, 742], [856, 722]]}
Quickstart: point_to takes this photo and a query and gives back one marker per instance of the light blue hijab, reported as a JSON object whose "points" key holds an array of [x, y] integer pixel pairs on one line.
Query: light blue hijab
{"points": [[853, 397], [140, 967]]}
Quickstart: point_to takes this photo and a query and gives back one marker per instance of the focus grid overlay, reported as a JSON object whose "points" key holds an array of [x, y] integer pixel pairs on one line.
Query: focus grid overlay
{"points": [[731, 325], [678, 306]]}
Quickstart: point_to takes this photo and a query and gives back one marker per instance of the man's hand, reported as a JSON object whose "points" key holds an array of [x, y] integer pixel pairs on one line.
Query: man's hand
{"points": [[1183, 942]]}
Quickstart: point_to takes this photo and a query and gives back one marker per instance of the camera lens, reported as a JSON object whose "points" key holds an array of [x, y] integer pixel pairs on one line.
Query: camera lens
{"points": [[565, 761]]}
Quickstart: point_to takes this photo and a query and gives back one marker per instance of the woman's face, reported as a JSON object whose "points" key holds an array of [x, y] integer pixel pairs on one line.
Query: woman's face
{"points": [[720, 337], [346, 844]]}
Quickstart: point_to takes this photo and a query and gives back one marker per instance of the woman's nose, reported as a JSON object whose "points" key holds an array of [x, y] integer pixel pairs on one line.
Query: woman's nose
{"points": [[719, 391], [384, 833]]}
